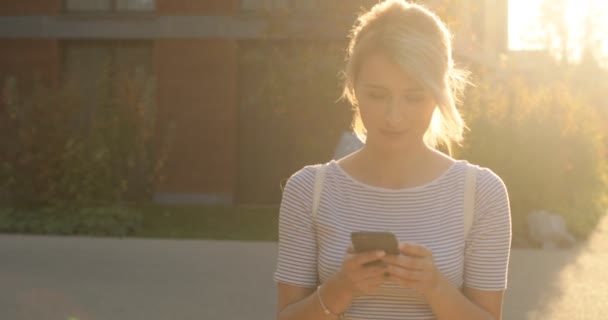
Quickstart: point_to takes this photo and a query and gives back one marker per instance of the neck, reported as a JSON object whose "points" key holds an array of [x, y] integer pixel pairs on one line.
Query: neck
{"points": [[390, 160], [394, 168]]}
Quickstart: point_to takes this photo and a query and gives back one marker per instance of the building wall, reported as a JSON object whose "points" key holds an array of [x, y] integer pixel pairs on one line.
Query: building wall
{"points": [[30, 7], [195, 61], [497, 18], [29, 59], [197, 82], [196, 7]]}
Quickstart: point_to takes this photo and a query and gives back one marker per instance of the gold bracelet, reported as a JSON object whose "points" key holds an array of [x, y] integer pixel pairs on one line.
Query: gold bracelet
{"points": [[325, 309]]}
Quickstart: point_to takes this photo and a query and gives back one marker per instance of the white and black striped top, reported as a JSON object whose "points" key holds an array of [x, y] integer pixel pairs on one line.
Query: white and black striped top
{"points": [[431, 215]]}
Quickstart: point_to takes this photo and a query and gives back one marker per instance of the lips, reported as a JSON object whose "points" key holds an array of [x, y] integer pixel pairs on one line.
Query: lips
{"points": [[393, 133]]}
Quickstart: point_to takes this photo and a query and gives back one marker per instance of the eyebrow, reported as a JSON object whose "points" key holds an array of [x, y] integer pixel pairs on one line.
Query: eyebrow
{"points": [[410, 89]]}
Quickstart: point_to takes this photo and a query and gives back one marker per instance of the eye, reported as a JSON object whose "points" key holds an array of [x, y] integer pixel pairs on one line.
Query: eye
{"points": [[415, 98], [377, 95]]}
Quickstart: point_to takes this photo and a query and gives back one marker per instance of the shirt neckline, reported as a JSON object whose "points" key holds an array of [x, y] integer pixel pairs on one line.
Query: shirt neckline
{"points": [[438, 179]]}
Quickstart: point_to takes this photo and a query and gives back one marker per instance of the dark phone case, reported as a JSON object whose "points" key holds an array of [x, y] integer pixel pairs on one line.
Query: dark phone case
{"points": [[367, 241]]}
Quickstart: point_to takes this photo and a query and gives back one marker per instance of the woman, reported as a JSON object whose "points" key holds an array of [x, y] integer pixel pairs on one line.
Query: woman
{"points": [[400, 77]]}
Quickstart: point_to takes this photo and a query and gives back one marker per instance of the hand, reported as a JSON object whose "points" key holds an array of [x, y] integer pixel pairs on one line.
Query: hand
{"points": [[361, 279], [415, 269]]}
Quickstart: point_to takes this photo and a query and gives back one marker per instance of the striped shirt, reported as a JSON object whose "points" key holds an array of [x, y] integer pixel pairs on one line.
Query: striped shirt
{"points": [[430, 214]]}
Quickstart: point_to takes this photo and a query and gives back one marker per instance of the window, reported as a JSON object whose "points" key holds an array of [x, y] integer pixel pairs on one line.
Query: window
{"points": [[298, 6], [86, 63], [269, 5], [95, 6], [86, 60]]}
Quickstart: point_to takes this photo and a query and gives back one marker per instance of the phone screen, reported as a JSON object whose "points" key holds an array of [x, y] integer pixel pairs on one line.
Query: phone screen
{"points": [[372, 240]]}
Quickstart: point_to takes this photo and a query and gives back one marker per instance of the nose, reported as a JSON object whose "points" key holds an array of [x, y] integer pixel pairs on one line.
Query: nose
{"points": [[393, 114]]}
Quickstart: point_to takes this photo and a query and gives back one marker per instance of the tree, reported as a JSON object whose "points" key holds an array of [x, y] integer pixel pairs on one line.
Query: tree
{"points": [[557, 31], [555, 27]]}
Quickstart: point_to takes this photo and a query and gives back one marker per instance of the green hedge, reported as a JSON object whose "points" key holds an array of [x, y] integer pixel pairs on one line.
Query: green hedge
{"points": [[547, 142], [289, 115], [102, 221], [544, 138], [73, 164], [64, 149]]}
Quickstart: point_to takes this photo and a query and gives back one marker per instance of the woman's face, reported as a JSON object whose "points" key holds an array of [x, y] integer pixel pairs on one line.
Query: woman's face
{"points": [[395, 109]]}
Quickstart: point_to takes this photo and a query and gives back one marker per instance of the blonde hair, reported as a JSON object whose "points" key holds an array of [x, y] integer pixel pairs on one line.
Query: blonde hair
{"points": [[417, 40]]}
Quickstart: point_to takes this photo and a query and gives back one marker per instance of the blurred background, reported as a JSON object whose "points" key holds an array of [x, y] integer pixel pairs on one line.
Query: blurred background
{"points": [[183, 118], [130, 124]]}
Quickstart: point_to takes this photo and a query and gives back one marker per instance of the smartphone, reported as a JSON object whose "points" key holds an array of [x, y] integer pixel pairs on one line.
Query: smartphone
{"points": [[372, 240]]}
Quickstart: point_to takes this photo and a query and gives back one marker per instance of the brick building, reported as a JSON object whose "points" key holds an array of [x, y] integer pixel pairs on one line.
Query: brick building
{"points": [[191, 48]]}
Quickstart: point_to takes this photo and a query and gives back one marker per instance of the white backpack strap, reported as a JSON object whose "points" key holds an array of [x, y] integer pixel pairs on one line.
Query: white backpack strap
{"points": [[469, 198], [318, 187]]}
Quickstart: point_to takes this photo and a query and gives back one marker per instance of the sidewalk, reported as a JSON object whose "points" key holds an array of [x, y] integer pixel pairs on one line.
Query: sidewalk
{"points": [[560, 285], [129, 279]]}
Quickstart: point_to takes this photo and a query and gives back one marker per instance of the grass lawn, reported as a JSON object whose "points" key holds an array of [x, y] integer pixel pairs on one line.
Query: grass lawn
{"points": [[209, 222]]}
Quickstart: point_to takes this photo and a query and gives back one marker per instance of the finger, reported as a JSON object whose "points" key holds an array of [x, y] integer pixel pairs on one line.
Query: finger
{"points": [[350, 249], [378, 281], [377, 278], [407, 262], [408, 284], [405, 274], [371, 285], [366, 257], [415, 250], [374, 272]]}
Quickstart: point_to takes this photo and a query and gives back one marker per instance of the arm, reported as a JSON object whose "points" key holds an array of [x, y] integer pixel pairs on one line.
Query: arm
{"points": [[472, 304], [303, 303], [296, 272], [486, 261], [416, 269], [337, 293]]}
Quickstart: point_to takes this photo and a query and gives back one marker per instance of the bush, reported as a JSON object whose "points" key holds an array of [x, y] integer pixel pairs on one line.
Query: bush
{"points": [[289, 116], [101, 221], [67, 150], [72, 163], [546, 142]]}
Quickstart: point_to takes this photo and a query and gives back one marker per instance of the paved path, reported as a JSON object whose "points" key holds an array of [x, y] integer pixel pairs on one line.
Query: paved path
{"points": [[112, 279], [56, 278], [561, 285]]}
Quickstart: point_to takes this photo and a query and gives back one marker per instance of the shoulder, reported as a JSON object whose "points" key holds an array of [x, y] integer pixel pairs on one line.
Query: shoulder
{"points": [[298, 191], [483, 175], [490, 192], [302, 181], [486, 178]]}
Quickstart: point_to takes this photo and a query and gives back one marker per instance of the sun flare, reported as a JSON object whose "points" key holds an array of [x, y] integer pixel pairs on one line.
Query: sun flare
{"points": [[525, 26]]}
